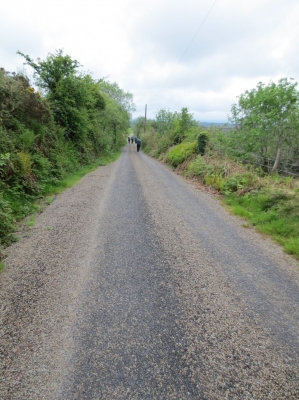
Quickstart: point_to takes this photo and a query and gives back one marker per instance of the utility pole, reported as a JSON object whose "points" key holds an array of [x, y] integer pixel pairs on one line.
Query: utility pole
{"points": [[145, 117]]}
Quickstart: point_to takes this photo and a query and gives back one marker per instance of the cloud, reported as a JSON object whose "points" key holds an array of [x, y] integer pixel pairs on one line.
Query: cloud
{"points": [[170, 53], [249, 43], [14, 38]]}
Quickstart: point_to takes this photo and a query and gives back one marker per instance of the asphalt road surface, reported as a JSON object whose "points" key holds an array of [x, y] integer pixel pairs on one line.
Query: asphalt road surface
{"points": [[140, 286]]}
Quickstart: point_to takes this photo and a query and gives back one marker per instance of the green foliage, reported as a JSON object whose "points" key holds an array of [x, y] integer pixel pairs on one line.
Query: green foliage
{"points": [[7, 221], [291, 246], [272, 200], [41, 168], [20, 102], [165, 120], [166, 130], [267, 123], [74, 97], [4, 159], [216, 180], [112, 121], [244, 181], [26, 139], [31, 221], [44, 138], [155, 145], [197, 167], [71, 178], [178, 154], [54, 69], [202, 140], [184, 122], [273, 213], [123, 99], [138, 126]]}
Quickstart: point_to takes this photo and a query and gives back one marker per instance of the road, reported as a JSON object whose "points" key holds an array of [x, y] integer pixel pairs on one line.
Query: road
{"points": [[140, 286]]}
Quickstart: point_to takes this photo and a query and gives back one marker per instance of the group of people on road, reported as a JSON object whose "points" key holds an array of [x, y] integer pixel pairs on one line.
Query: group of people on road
{"points": [[137, 140]]}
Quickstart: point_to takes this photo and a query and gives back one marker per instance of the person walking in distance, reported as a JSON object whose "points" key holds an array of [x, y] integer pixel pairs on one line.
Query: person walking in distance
{"points": [[138, 142]]}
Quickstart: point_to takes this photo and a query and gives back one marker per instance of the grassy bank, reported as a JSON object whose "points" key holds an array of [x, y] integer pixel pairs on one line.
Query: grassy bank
{"points": [[274, 213]]}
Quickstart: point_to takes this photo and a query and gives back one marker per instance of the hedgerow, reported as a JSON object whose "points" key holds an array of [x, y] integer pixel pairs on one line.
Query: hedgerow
{"points": [[69, 122]]}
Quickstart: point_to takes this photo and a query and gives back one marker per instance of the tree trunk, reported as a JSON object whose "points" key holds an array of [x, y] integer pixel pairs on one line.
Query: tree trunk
{"points": [[277, 161]]}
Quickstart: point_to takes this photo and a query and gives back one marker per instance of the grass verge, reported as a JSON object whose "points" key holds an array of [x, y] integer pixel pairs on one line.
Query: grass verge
{"points": [[274, 213], [71, 179]]}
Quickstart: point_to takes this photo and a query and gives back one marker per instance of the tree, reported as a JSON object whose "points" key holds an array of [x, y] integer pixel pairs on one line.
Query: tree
{"points": [[19, 100], [267, 120], [185, 123], [50, 72], [122, 98], [114, 122], [165, 121], [74, 97], [138, 127]]}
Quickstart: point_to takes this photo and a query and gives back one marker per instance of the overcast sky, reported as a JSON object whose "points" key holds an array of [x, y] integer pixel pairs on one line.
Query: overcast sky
{"points": [[199, 54]]}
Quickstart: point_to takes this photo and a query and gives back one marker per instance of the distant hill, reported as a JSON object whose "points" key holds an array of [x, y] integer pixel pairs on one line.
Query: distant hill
{"points": [[207, 124]]}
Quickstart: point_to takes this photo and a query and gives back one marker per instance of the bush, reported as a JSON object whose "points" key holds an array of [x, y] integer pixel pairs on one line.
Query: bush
{"points": [[6, 222], [202, 140], [178, 154], [41, 168], [26, 140], [197, 167], [240, 181]]}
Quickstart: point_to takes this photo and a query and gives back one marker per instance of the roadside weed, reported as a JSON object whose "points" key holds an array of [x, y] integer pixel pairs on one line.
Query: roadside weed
{"points": [[31, 221]]}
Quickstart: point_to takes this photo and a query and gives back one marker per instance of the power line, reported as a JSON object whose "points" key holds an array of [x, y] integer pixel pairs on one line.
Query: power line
{"points": [[187, 48]]}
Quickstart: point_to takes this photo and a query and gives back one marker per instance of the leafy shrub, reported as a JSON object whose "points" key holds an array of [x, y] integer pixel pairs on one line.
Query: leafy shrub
{"points": [[41, 168], [197, 167], [7, 222], [202, 140], [178, 154], [24, 164], [240, 181], [215, 180], [26, 139], [6, 142]]}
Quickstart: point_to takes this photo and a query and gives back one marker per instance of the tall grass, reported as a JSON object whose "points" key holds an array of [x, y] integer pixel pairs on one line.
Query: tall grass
{"points": [[273, 213]]}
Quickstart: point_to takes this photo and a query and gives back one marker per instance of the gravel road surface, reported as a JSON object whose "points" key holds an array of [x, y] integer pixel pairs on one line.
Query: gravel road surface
{"points": [[134, 284]]}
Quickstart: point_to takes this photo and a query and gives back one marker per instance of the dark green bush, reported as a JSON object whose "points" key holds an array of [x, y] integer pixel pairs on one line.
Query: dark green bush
{"points": [[202, 140]]}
